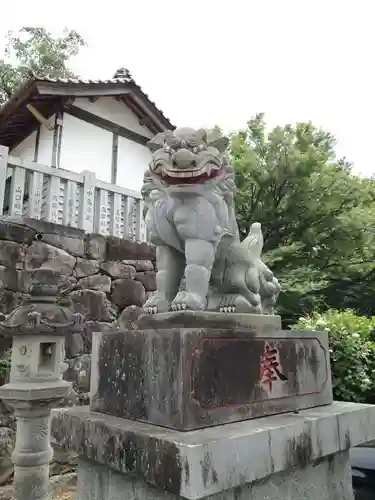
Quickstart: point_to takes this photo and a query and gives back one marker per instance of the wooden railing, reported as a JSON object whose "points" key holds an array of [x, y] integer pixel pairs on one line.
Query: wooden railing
{"points": [[65, 197]]}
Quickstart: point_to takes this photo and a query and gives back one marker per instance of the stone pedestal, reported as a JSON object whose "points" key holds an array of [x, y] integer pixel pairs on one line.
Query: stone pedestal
{"points": [[230, 368], [329, 479], [160, 395], [280, 457]]}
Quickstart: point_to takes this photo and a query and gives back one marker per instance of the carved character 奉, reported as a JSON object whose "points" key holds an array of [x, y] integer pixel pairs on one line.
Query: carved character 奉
{"points": [[190, 217]]}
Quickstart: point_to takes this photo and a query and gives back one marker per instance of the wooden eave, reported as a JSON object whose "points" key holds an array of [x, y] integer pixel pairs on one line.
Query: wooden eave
{"points": [[17, 122]]}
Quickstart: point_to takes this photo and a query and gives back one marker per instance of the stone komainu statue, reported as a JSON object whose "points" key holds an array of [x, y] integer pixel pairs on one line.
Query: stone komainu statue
{"points": [[190, 217]]}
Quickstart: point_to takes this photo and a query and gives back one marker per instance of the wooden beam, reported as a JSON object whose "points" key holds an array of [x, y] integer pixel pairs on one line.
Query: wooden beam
{"points": [[4, 152], [139, 113], [145, 121], [81, 89], [41, 119], [37, 141], [60, 118], [142, 115], [27, 128], [88, 117], [114, 159], [149, 108], [56, 144]]}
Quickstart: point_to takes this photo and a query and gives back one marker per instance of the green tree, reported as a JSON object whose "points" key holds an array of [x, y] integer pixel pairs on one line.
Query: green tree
{"points": [[317, 217], [36, 51]]}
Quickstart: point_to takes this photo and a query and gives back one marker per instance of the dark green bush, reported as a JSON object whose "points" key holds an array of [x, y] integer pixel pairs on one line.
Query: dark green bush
{"points": [[4, 370], [352, 351]]}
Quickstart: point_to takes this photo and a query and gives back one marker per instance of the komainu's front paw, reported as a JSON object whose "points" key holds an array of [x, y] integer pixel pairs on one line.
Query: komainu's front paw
{"points": [[156, 304], [232, 303], [188, 300], [228, 304]]}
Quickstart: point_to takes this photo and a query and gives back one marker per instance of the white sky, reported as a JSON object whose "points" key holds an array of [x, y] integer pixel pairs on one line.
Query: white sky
{"points": [[206, 62]]}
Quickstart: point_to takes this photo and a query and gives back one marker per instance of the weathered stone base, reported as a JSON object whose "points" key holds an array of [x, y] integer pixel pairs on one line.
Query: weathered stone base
{"points": [[326, 479], [279, 457], [208, 369]]}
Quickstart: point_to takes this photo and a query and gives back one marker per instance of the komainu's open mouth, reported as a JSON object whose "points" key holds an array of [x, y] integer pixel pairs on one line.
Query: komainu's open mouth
{"points": [[193, 179], [196, 176]]}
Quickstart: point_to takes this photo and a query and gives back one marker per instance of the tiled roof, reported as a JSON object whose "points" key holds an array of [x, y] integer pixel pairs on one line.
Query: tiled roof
{"points": [[16, 121], [117, 80], [86, 81]]}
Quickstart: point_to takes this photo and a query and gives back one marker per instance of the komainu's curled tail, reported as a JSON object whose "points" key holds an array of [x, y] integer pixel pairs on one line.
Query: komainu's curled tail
{"points": [[259, 278]]}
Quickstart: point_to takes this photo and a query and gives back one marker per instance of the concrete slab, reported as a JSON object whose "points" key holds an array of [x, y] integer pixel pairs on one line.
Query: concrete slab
{"points": [[188, 378], [208, 461]]}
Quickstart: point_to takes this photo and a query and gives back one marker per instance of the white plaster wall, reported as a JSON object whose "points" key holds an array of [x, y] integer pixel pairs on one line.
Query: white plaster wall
{"points": [[115, 111], [132, 161], [25, 150], [86, 147], [46, 144]]}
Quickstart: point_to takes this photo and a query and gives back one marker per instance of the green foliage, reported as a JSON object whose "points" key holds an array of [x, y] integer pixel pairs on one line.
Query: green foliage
{"points": [[4, 369], [4, 366], [317, 217], [35, 50], [352, 352]]}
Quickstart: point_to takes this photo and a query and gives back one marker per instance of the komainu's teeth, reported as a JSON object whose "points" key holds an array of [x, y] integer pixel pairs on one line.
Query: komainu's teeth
{"points": [[184, 174]]}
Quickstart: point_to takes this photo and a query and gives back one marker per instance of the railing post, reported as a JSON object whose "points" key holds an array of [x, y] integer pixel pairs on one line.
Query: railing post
{"points": [[17, 191], [86, 215], [116, 216], [139, 224], [53, 199], [35, 195], [127, 221], [4, 151], [70, 204], [102, 214]]}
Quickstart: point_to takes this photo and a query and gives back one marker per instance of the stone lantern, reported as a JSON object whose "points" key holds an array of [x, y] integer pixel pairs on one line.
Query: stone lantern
{"points": [[35, 386]]}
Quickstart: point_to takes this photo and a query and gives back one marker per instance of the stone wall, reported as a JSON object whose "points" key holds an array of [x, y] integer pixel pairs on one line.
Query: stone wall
{"points": [[105, 278], [101, 275]]}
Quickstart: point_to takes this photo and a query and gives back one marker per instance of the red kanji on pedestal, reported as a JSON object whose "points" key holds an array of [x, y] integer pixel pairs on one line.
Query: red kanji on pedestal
{"points": [[270, 367]]}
